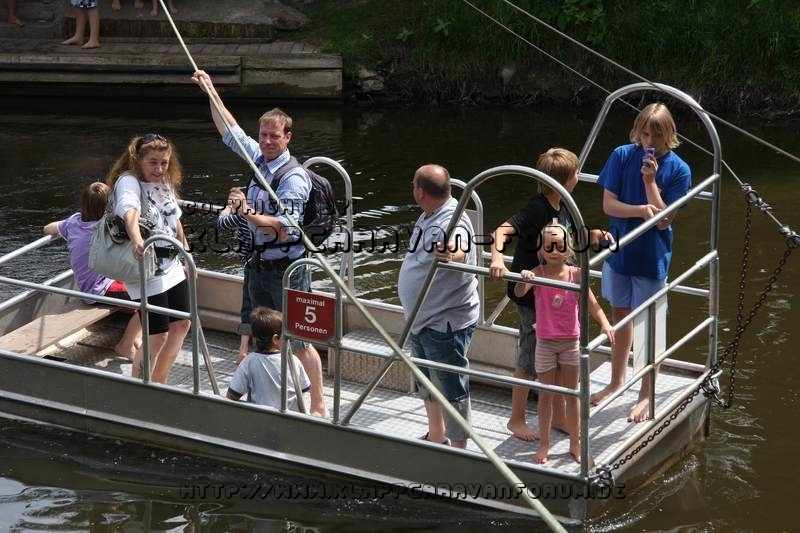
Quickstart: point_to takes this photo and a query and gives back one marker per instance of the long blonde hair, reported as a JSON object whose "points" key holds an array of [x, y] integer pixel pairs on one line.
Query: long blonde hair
{"points": [[657, 117], [138, 148]]}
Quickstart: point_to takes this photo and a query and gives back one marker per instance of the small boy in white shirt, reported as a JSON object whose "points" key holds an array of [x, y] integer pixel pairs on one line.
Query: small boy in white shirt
{"points": [[259, 374]]}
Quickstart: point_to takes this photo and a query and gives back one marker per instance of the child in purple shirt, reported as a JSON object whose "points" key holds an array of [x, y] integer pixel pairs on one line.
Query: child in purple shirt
{"points": [[77, 231]]}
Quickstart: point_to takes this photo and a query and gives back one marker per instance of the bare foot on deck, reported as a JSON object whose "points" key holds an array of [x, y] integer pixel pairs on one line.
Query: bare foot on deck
{"points": [[154, 12], [73, 40], [91, 44], [16, 21], [115, 5], [598, 397], [521, 430], [320, 413], [138, 4], [640, 411], [541, 455], [129, 351]]}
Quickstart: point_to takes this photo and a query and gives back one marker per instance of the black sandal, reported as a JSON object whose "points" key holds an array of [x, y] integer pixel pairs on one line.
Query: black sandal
{"points": [[446, 441]]}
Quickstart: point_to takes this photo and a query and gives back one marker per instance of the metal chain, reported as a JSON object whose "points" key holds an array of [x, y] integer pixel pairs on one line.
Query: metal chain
{"points": [[709, 386]]}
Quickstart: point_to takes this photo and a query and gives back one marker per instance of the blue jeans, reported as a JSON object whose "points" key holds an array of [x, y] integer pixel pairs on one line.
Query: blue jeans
{"points": [[449, 347], [247, 307], [265, 286]]}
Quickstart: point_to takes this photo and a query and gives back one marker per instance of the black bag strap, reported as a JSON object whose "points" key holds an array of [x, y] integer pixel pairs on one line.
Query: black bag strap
{"points": [[284, 169]]}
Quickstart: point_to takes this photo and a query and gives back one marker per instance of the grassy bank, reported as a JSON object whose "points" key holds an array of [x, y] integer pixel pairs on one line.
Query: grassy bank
{"points": [[739, 55]]}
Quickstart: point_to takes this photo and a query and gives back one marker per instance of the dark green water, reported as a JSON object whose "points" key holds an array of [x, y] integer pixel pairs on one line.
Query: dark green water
{"points": [[739, 479]]}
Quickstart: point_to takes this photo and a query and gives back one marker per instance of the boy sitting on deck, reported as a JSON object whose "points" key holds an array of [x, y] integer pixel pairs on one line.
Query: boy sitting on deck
{"points": [[259, 375]]}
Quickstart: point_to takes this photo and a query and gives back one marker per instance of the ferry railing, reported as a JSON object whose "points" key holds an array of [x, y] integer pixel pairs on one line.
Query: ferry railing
{"points": [[705, 120], [197, 336], [582, 392], [334, 344], [583, 261], [346, 265], [709, 260], [143, 306], [478, 226], [587, 346], [491, 455]]}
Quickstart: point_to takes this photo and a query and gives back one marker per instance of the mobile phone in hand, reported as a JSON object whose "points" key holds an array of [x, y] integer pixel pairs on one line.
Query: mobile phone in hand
{"points": [[648, 153]]}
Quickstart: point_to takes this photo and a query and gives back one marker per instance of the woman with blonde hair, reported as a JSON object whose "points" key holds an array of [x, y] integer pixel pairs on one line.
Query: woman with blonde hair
{"points": [[145, 181]]}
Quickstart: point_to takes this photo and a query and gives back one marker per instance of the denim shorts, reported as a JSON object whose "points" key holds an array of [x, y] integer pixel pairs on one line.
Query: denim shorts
{"points": [[247, 307], [266, 289], [628, 291], [451, 348], [527, 340]]}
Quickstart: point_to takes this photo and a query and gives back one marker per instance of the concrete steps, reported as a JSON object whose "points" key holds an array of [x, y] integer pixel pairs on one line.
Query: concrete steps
{"points": [[236, 40]]}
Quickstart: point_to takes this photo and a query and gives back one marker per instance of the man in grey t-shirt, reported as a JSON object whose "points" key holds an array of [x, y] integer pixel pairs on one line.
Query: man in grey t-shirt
{"points": [[443, 328]]}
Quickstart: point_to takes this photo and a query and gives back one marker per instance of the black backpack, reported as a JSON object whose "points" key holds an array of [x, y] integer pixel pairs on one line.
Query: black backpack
{"points": [[319, 214]]}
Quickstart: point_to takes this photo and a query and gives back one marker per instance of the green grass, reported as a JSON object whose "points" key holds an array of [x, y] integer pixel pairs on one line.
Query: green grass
{"points": [[734, 53]]}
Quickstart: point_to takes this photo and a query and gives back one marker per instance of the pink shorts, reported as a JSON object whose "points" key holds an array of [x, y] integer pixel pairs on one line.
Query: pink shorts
{"points": [[550, 353]]}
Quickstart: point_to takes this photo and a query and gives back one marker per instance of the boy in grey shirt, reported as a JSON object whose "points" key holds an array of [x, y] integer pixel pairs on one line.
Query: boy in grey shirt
{"points": [[259, 375]]}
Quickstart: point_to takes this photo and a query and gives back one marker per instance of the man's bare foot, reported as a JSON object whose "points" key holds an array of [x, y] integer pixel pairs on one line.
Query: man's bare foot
{"points": [[320, 411], [541, 455], [598, 397], [138, 4], [640, 411], [115, 5], [73, 40], [91, 44], [16, 21], [154, 12], [521, 430]]}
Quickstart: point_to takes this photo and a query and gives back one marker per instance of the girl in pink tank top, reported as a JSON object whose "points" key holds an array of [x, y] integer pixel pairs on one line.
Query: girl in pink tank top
{"points": [[557, 333]]}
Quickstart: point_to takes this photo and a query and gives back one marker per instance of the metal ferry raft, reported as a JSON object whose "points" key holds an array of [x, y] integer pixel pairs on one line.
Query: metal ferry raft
{"points": [[57, 367]]}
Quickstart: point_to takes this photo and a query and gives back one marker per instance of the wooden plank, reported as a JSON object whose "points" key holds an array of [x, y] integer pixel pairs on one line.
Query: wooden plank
{"points": [[49, 329]]}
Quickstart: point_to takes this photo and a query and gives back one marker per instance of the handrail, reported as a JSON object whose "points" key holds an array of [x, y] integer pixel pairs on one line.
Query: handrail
{"points": [[478, 227], [38, 243], [347, 265], [142, 306], [490, 454], [287, 362], [713, 273], [193, 316], [583, 259], [583, 297], [652, 222]]}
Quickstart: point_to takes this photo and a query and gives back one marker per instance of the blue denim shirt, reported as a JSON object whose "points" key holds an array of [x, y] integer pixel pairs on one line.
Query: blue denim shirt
{"points": [[293, 191]]}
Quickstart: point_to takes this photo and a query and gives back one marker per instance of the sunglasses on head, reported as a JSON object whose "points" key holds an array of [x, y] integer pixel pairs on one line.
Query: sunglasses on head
{"points": [[147, 138]]}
